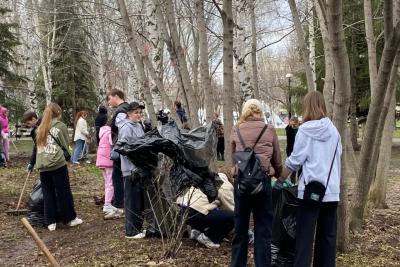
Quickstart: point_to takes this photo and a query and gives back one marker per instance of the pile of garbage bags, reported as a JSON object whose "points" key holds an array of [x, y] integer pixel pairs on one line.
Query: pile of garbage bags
{"points": [[285, 204], [190, 151], [36, 206]]}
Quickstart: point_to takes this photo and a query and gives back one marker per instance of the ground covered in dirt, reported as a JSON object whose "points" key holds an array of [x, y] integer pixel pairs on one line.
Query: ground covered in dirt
{"points": [[101, 243]]}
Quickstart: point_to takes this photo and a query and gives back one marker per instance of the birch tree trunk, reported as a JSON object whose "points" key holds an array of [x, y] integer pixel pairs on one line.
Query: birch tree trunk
{"points": [[311, 38], [144, 81], [204, 66], [304, 52], [254, 49], [370, 37], [329, 69], [239, 51]]}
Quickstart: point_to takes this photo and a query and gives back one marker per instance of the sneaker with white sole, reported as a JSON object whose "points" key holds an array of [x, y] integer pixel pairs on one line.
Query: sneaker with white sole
{"points": [[137, 236], [194, 234], [75, 222], [115, 214], [108, 208], [52, 227], [203, 239]]}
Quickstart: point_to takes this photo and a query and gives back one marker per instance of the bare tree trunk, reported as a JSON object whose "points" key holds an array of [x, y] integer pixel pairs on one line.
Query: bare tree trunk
{"points": [[239, 50], [341, 106], [254, 49], [374, 126], [311, 38], [144, 81], [227, 21], [370, 37], [204, 66], [379, 187], [181, 61], [329, 70], [304, 52]]}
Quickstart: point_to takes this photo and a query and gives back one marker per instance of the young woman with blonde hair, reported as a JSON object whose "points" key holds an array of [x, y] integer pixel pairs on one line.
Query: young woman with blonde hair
{"points": [[51, 141], [317, 149], [251, 126]]}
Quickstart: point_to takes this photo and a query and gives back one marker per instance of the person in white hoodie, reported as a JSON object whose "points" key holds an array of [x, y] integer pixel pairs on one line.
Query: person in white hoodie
{"points": [[80, 137], [317, 149]]}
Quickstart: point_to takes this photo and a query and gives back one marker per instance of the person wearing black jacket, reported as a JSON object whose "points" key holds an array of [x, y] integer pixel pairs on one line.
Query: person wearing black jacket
{"points": [[291, 131], [116, 99], [101, 120], [31, 120]]}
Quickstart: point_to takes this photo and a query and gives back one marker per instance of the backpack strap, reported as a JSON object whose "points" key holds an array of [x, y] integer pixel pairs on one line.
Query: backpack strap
{"points": [[258, 138]]}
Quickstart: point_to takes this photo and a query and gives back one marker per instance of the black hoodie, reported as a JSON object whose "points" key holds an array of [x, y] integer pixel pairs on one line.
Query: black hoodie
{"points": [[101, 120]]}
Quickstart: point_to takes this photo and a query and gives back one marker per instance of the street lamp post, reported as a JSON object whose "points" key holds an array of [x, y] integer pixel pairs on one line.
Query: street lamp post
{"points": [[289, 77]]}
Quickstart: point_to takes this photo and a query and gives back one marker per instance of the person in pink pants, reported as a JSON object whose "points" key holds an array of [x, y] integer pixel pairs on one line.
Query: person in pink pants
{"points": [[104, 162], [5, 132]]}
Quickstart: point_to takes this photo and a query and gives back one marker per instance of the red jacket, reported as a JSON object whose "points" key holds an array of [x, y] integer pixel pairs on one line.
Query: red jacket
{"points": [[267, 148]]}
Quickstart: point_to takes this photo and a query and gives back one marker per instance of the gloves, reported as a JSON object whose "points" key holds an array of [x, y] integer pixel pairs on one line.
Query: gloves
{"points": [[29, 167]]}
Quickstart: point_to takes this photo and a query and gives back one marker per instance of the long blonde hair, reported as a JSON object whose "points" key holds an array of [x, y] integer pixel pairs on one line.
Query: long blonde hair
{"points": [[251, 107], [51, 112], [314, 106]]}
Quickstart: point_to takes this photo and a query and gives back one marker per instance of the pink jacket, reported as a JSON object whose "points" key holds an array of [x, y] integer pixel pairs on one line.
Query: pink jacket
{"points": [[4, 119], [104, 149]]}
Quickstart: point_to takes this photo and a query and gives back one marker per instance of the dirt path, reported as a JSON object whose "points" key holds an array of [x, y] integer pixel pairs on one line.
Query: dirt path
{"points": [[101, 243]]}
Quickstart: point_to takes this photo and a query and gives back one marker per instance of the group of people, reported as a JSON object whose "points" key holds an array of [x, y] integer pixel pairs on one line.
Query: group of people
{"points": [[316, 150]]}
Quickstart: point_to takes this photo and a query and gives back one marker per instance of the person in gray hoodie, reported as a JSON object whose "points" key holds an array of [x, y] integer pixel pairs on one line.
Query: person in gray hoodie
{"points": [[134, 189], [317, 149]]}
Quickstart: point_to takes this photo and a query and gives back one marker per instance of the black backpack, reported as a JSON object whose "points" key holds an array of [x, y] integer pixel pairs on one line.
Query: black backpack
{"points": [[251, 177]]}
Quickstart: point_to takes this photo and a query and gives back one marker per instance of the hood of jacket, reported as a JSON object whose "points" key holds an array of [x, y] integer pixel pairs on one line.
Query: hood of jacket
{"points": [[103, 110], [3, 111], [104, 130], [320, 130]]}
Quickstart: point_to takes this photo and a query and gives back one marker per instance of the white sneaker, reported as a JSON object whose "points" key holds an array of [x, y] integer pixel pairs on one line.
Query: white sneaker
{"points": [[108, 208], [203, 239], [88, 162], [137, 236], [194, 234], [52, 227], [114, 214], [75, 222]]}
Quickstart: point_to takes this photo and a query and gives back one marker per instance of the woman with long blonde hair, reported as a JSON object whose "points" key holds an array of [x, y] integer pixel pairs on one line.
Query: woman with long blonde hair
{"points": [[252, 127], [80, 137], [317, 150], [52, 141]]}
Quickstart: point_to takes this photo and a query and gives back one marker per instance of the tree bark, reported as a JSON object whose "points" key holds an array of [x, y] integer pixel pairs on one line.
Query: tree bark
{"points": [[341, 105], [374, 127], [254, 49], [144, 81], [304, 52], [370, 37], [204, 66], [329, 70], [181, 61], [227, 21]]}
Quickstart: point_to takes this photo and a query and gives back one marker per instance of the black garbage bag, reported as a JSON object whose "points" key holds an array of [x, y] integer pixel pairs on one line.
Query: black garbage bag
{"points": [[36, 206], [191, 153], [285, 204]]}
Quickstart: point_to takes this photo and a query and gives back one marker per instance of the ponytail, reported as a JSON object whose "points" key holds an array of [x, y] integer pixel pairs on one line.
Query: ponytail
{"points": [[52, 111]]}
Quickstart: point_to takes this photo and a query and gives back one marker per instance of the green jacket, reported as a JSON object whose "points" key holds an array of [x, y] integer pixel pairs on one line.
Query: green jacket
{"points": [[51, 157]]}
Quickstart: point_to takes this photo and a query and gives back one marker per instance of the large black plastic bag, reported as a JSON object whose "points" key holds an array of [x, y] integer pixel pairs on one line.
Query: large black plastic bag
{"points": [[191, 153], [36, 206], [285, 204]]}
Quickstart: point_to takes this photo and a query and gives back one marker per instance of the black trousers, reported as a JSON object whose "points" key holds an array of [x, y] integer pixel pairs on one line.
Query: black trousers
{"points": [[221, 148], [138, 194], [261, 207], [322, 216], [57, 196], [216, 225], [118, 184]]}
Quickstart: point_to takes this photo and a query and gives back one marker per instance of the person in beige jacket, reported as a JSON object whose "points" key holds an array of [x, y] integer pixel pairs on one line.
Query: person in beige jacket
{"points": [[210, 222]]}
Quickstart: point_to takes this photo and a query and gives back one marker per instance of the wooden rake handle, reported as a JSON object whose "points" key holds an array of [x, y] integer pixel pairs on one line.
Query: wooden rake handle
{"points": [[23, 190], [40, 243]]}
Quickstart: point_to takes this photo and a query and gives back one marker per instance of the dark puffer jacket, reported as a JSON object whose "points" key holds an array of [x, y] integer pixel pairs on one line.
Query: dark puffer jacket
{"points": [[100, 121]]}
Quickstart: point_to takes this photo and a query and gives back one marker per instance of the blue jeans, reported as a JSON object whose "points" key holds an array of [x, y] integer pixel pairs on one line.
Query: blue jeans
{"points": [[78, 149], [261, 207]]}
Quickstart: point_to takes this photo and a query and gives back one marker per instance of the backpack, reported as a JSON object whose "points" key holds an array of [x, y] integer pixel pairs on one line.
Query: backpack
{"points": [[251, 177]]}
